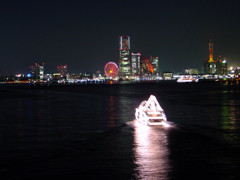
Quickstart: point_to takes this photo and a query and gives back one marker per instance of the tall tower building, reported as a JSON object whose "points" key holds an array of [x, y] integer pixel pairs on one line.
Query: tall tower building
{"points": [[155, 63], [210, 52], [221, 66], [62, 69], [124, 58], [37, 71], [210, 66], [136, 64]]}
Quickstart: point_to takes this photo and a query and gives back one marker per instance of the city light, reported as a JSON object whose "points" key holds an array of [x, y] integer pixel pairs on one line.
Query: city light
{"points": [[151, 113], [134, 67]]}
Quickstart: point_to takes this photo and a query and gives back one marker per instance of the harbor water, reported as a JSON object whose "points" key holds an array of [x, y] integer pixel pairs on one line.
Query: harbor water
{"points": [[90, 132]]}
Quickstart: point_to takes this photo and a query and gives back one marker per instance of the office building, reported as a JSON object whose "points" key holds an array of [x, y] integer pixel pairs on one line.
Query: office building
{"points": [[37, 71], [62, 69], [155, 63], [124, 58], [135, 64]]}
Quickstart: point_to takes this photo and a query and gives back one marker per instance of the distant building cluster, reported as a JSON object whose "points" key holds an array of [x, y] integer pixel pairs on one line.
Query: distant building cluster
{"points": [[129, 66], [133, 65], [37, 71], [217, 66], [62, 70]]}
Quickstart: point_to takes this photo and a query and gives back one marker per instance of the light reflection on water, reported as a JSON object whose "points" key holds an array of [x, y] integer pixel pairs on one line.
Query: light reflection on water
{"points": [[229, 116], [112, 112], [91, 123], [151, 152], [229, 112]]}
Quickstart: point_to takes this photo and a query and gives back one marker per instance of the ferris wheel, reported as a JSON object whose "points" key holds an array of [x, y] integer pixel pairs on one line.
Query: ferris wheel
{"points": [[111, 70]]}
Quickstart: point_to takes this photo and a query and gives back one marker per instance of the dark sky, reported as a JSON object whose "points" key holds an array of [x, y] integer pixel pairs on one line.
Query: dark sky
{"points": [[85, 35]]}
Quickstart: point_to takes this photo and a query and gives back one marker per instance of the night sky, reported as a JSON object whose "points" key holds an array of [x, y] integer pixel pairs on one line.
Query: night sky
{"points": [[85, 35]]}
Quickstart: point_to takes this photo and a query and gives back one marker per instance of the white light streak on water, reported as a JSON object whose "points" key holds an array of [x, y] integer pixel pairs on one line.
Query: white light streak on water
{"points": [[151, 152]]}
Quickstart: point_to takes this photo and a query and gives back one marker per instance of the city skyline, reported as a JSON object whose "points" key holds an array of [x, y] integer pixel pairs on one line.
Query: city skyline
{"points": [[85, 35]]}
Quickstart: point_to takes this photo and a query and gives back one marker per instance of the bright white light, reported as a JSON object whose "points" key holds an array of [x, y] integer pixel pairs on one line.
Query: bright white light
{"points": [[150, 112], [151, 152], [187, 79]]}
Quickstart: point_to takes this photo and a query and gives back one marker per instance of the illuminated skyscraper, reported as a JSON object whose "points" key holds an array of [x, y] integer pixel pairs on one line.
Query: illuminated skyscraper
{"points": [[41, 71], [224, 67], [37, 71], [136, 64], [146, 67], [124, 57], [210, 52], [221, 66], [155, 63], [210, 66], [62, 69]]}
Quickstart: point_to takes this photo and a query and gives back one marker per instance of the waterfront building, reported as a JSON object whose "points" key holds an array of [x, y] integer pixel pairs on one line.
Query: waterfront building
{"points": [[209, 68], [167, 75], [218, 66], [57, 76], [135, 64], [221, 66], [224, 66], [98, 74], [155, 63], [146, 67], [124, 58], [62, 69], [37, 71], [237, 72], [193, 71], [209, 65]]}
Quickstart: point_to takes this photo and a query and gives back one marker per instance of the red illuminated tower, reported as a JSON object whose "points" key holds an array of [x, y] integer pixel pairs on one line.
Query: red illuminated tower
{"points": [[210, 66], [210, 52]]}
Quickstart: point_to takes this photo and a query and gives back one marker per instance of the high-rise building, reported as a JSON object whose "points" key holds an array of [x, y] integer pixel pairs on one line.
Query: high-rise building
{"points": [[37, 71], [136, 64], [210, 52], [218, 66], [221, 66], [41, 71], [62, 69], [124, 58], [210, 66], [224, 67], [155, 63], [146, 67]]}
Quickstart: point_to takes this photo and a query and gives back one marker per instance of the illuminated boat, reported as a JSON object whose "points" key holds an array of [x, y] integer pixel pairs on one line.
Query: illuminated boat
{"points": [[187, 79], [150, 113]]}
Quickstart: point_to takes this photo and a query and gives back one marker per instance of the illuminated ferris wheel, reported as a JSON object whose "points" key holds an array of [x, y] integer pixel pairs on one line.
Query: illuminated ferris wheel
{"points": [[111, 70]]}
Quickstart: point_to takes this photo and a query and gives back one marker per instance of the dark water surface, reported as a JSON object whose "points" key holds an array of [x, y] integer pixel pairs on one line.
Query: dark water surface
{"points": [[89, 132]]}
